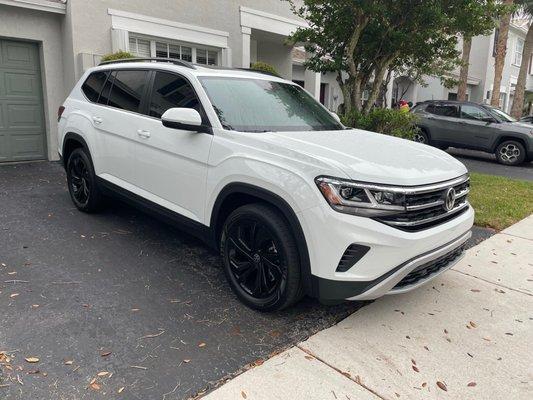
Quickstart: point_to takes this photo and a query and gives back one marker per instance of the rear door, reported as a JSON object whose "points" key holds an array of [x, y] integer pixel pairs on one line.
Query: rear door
{"points": [[443, 120], [116, 122], [171, 164]]}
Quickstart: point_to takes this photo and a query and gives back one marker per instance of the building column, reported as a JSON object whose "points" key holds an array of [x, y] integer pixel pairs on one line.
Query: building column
{"points": [[120, 40], [312, 83], [246, 32], [390, 89]]}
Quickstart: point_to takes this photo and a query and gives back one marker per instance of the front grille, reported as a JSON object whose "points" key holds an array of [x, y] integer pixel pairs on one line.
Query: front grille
{"points": [[425, 206], [424, 271]]}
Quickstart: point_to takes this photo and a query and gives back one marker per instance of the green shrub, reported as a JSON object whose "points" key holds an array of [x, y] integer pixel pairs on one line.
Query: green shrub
{"points": [[383, 120], [119, 55], [262, 66]]}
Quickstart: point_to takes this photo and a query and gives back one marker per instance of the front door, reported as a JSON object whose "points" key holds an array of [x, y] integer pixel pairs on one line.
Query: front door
{"points": [[477, 127], [171, 164]]}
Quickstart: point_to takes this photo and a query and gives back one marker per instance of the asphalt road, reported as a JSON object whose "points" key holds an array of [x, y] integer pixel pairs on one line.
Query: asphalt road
{"points": [[123, 293], [485, 163]]}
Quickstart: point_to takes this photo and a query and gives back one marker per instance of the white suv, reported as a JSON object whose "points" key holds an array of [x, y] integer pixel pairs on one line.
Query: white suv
{"points": [[295, 202]]}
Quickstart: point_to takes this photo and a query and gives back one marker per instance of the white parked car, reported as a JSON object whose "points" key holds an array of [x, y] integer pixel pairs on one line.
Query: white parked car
{"points": [[295, 202]]}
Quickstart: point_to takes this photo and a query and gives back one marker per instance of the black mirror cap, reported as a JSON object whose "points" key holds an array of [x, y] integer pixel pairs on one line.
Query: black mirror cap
{"points": [[187, 127]]}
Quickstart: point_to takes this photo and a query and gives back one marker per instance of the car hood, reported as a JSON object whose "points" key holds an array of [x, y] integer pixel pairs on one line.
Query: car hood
{"points": [[371, 157]]}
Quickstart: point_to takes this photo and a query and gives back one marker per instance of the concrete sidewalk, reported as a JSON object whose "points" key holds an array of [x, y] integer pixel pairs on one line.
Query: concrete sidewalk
{"points": [[466, 335]]}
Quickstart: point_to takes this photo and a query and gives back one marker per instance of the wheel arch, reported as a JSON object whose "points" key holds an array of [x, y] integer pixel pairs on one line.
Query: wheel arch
{"points": [[72, 141], [507, 137], [235, 195]]}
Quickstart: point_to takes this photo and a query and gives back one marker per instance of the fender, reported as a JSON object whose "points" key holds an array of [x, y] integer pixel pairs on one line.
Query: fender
{"points": [[77, 138], [286, 210]]}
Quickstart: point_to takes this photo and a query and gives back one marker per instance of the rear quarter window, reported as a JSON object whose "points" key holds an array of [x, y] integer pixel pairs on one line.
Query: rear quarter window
{"points": [[94, 84]]}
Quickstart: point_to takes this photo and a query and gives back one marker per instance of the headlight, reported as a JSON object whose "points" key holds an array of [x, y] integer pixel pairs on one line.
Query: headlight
{"points": [[361, 198]]}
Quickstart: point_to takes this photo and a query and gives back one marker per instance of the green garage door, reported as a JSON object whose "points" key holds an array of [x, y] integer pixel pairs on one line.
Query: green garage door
{"points": [[22, 132]]}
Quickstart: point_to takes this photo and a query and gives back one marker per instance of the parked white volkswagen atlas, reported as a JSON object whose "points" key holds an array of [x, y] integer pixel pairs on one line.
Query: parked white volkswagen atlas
{"points": [[295, 202]]}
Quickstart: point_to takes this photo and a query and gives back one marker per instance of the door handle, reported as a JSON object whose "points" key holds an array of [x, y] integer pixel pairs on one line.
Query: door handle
{"points": [[144, 134], [97, 120]]}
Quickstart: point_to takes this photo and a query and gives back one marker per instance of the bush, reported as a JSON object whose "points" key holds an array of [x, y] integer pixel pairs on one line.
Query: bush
{"points": [[383, 120], [119, 55], [262, 66]]}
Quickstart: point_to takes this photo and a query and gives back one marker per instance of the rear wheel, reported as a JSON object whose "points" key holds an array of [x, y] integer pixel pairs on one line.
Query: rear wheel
{"points": [[510, 152], [260, 258], [81, 181]]}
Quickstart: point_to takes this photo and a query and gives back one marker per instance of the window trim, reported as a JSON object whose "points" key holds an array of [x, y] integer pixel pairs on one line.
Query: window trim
{"points": [[518, 53], [194, 47]]}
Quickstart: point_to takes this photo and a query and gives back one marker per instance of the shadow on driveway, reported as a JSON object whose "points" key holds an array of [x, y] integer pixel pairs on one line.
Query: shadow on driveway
{"points": [[75, 287]]}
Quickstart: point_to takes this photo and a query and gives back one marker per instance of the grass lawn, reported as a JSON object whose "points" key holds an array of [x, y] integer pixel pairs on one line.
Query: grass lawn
{"points": [[500, 202]]}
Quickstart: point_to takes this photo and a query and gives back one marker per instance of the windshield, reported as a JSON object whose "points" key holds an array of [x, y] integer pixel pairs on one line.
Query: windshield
{"points": [[502, 115], [257, 105]]}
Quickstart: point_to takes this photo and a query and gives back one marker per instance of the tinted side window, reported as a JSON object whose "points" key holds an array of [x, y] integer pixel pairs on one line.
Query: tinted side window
{"points": [[104, 94], [473, 112], [93, 85], [171, 91], [128, 89], [444, 110]]}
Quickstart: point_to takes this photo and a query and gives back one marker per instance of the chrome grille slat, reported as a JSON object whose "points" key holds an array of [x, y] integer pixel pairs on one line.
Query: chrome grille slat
{"points": [[426, 208]]}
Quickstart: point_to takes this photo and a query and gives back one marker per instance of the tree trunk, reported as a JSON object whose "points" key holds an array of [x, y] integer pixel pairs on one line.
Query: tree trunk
{"points": [[379, 75], [499, 59], [518, 102], [465, 64]]}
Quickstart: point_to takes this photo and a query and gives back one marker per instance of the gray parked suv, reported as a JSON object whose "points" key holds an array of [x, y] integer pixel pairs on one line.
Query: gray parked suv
{"points": [[472, 126]]}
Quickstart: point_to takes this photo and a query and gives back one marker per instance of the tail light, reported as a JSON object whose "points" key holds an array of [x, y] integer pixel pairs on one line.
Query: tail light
{"points": [[60, 112]]}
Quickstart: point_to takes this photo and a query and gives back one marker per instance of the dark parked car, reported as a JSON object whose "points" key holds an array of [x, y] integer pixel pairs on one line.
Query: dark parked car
{"points": [[473, 126]]}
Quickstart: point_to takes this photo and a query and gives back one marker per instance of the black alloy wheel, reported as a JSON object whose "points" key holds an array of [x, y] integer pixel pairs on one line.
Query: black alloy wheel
{"points": [[260, 258], [81, 181]]}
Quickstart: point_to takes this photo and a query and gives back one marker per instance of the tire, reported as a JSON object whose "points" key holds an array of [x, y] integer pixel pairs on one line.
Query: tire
{"points": [[421, 136], [81, 181], [263, 267], [510, 152]]}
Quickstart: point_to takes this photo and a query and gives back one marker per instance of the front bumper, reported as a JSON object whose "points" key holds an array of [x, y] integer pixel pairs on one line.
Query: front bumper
{"points": [[393, 254]]}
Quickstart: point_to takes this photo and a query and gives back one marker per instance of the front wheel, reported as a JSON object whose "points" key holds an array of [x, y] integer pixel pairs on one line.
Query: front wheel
{"points": [[421, 136], [510, 152], [260, 257]]}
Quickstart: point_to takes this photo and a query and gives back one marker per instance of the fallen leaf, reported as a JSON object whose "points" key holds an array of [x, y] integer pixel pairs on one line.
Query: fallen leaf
{"points": [[103, 373], [202, 344], [32, 360], [424, 384], [35, 305], [13, 295], [446, 331], [92, 381], [12, 273], [243, 394], [508, 333], [475, 290], [413, 361], [472, 384], [186, 361], [95, 386], [33, 372], [309, 357], [442, 386], [121, 390], [473, 324], [487, 339], [135, 309], [105, 353], [68, 362], [415, 368]]}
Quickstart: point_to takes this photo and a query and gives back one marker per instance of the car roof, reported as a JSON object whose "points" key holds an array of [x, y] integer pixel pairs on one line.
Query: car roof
{"points": [[188, 68], [451, 102]]}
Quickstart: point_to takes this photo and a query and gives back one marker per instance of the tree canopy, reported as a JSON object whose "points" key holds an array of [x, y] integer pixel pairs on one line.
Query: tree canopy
{"points": [[361, 40]]}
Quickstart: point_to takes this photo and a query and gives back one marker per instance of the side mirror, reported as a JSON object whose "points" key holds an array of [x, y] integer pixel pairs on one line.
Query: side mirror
{"points": [[186, 119]]}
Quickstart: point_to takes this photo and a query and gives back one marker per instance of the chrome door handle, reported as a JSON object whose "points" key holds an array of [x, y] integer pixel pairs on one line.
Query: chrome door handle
{"points": [[97, 120], [142, 133]]}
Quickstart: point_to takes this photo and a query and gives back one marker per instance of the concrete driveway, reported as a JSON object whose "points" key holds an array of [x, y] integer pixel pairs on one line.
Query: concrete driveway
{"points": [[468, 335], [123, 294], [485, 163]]}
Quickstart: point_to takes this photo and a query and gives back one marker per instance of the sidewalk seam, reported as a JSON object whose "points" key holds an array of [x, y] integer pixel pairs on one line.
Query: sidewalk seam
{"points": [[345, 374], [492, 283], [517, 236]]}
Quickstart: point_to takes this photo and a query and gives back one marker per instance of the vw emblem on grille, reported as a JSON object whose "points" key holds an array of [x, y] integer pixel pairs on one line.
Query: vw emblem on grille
{"points": [[449, 199]]}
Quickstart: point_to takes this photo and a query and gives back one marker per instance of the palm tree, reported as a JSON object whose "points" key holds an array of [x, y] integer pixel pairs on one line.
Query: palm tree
{"points": [[518, 102], [465, 63], [501, 51]]}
